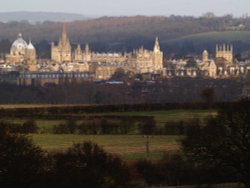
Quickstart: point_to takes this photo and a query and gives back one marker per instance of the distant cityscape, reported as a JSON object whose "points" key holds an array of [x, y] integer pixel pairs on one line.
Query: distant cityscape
{"points": [[83, 64]]}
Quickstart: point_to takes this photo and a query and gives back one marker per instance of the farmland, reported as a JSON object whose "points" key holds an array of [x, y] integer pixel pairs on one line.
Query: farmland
{"points": [[130, 146], [127, 146], [160, 117]]}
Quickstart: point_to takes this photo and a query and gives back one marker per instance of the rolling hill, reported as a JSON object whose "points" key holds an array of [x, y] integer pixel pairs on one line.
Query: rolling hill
{"points": [[179, 35], [33, 17]]}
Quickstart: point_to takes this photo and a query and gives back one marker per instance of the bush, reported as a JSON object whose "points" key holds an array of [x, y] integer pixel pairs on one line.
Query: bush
{"points": [[147, 126], [29, 126], [69, 127], [174, 128], [88, 165], [21, 163]]}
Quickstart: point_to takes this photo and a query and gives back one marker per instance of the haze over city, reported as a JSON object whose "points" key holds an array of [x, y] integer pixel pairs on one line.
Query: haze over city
{"points": [[130, 7]]}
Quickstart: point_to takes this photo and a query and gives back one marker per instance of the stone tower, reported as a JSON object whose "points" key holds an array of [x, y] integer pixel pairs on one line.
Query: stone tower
{"points": [[78, 55], [30, 53], [157, 57], [157, 48], [205, 56], [87, 54], [61, 52], [226, 52]]}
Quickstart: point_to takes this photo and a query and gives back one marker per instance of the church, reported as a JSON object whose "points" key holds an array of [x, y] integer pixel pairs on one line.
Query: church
{"points": [[105, 64], [62, 51], [21, 52]]}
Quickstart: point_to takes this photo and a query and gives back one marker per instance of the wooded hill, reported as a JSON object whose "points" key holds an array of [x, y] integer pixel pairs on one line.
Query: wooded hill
{"points": [[177, 34]]}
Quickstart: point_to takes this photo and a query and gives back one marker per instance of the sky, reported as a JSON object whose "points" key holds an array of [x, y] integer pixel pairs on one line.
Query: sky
{"points": [[131, 7]]}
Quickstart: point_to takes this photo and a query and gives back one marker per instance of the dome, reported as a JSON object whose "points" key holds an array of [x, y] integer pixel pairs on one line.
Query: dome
{"points": [[205, 52], [30, 46], [19, 43]]}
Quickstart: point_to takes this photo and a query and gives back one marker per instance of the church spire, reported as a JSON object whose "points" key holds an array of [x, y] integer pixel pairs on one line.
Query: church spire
{"points": [[157, 45], [87, 48], [64, 34]]}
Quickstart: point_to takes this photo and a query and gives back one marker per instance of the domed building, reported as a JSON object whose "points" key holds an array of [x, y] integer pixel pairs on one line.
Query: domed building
{"points": [[20, 51]]}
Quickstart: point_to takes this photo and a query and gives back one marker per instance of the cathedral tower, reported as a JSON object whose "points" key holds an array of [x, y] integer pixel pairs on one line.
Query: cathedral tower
{"points": [[226, 52], [205, 56], [157, 48], [78, 55], [30, 53], [87, 54], [157, 57], [61, 52]]}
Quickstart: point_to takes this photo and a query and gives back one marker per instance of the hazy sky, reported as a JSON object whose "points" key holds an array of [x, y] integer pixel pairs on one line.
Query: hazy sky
{"points": [[130, 7]]}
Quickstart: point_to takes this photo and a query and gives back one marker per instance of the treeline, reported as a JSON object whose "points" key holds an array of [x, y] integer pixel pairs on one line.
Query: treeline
{"points": [[119, 33], [29, 126], [214, 153], [23, 164], [119, 28], [176, 170], [142, 125], [147, 126], [87, 165], [162, 91]]}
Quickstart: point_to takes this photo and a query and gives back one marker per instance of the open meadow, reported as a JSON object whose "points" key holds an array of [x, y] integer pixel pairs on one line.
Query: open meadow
{"points": [[161, 117], [130, 146]]}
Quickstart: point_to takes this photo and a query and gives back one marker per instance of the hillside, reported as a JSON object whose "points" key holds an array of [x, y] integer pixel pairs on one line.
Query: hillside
{"points": [[208, 40], [177, 34], [34, 17]]}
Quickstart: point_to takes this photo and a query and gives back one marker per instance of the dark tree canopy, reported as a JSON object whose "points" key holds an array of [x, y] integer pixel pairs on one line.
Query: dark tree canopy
{"points": [[24, 165], [21, 163], [224, 141], [88, 165]]}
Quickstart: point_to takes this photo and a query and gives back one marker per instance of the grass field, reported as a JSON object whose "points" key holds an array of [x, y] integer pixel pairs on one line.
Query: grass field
{"points": [[130, 147], [161, 117], [229, 36], [170, 115]]}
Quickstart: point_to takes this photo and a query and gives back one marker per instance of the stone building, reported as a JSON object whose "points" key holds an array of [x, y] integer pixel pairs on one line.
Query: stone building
{"points": [[61, 52], [21, 52], [205, 56], [146, 61], [86, 54], [224, 54], [139, 61], [78, 55], [30, 53]]}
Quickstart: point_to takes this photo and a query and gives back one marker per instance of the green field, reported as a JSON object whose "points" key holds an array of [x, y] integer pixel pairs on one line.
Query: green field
{"points": [[170, 115], [160, 117], [214, 36], [130, 147]]}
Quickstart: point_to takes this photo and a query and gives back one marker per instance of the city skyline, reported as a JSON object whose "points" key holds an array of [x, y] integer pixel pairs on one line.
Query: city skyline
{"points": [[129, 7]]}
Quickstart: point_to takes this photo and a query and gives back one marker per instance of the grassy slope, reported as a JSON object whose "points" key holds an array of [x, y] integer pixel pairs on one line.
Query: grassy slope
{"points": [[215, 36]]}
